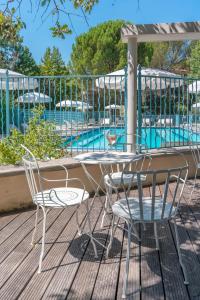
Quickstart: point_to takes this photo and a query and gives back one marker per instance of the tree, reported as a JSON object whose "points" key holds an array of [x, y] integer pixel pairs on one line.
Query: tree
{"points": [[52, 63], [171, 56], [25, 63], [10, 39], [54, 8], [194, 60], [101, 50]]}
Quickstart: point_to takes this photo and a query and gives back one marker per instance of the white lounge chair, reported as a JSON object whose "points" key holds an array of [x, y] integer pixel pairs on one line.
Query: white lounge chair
{"points": [[146, 122], [105, 121], [165, 122]]}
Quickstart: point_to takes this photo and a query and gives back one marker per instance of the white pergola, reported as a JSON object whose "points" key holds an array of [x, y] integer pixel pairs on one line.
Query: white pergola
{"points": [[133, 34]]}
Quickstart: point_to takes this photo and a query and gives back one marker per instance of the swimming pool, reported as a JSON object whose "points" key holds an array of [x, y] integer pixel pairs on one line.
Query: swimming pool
{"points": [[152, 137]]}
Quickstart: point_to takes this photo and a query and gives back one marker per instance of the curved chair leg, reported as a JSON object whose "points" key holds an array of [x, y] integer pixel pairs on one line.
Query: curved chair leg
{"points": [[156, 236], [43, 239], [35, 229], [179, 254], [90, 231], [125, 285], [194, 185]]}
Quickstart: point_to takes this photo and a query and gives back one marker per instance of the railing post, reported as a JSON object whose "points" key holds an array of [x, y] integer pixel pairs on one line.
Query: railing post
{"points": [[139, 107], [132, 95], [125, 103], [7, 106]]}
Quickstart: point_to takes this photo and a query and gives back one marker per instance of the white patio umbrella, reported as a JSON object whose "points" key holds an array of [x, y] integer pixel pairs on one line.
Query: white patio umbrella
{"points": [[113, 106], [34, 98], [16, 81], [75, 104], [194, 87], [160, 79]]}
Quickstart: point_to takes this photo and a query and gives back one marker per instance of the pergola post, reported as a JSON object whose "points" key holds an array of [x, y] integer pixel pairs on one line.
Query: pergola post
{"points": [[132, 95], [133, 34]]}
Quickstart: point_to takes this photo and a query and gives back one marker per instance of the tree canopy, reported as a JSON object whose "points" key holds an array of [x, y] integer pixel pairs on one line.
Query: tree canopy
{"points": [[194, 60], [52, 63], [172, 56], [25, 63], [100, 50], [54, 8]]}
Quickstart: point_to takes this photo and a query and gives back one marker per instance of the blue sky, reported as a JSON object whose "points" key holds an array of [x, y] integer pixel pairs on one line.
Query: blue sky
{"points": [[37, 36]]}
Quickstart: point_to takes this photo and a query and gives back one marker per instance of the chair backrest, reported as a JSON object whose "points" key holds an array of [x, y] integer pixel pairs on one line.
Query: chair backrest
{"points": [[32, 172], [139, 163], [163, 200]]}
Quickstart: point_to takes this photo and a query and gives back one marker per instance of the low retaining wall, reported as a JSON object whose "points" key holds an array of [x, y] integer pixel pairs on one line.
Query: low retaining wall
{"points": [[14, 192]]}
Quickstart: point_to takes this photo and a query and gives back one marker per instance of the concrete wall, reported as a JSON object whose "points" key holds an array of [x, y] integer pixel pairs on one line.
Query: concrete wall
{"points": [[14, 193]]}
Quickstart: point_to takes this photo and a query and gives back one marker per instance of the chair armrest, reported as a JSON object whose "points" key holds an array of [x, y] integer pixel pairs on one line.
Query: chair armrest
{"points": [[66, 176]]}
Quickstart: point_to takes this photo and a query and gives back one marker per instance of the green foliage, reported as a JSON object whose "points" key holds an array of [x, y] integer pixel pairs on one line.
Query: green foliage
{"points": [[40, 138], [171, 56], [10, 150], [25, 63], [194, 60], [52, 63], [9, 39], [60, 30], [9, 29], [57, 8], [100, 50], [13, 55]]}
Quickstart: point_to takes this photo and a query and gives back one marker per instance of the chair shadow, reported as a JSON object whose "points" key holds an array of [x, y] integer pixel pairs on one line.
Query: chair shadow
{"points": [[85, 248]]}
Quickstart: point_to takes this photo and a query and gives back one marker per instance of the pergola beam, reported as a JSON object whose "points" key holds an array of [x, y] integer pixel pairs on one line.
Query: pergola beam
{"points": [[162, 32]]}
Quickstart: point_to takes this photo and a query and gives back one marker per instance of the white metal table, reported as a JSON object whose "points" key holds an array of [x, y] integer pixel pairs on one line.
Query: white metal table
{"points": [[103, 159]]}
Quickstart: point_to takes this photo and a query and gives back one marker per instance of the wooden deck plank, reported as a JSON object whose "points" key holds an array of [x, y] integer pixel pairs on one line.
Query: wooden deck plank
{"points": [[16, 257], [85, 279], [70, 272], [151, 277], [134, 283], [17, 236], [25, 271], [134, 270], [40, 282], [62, 281], [188, 228], [6, 219], [171, 271], [107, 277], [14, 225]]}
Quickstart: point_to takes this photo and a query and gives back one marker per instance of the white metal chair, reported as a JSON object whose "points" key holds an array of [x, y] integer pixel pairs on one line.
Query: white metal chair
{"points": [[153, 209], [61, 197], [195, 150], [113, 178]]}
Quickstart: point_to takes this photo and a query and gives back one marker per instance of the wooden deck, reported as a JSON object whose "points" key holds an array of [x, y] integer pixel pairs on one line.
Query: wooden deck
{"points": [[71, 272]]}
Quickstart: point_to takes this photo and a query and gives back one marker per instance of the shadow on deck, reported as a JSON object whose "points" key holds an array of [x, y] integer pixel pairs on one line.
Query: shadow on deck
{"points": [[71, 272]]}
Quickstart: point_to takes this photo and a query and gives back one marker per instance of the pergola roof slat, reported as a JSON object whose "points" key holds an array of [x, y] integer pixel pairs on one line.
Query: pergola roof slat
{"points": [[162, 32]]}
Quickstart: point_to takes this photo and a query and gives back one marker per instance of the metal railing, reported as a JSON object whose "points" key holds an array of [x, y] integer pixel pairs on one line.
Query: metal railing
{"points": [[90, 112]]}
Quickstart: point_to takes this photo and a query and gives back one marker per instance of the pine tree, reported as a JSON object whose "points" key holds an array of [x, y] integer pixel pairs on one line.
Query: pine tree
{"points": [[52, 63]]}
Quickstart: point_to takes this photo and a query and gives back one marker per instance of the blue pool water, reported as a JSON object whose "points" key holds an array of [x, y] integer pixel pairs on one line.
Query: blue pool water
{"points": [[95, 139]]}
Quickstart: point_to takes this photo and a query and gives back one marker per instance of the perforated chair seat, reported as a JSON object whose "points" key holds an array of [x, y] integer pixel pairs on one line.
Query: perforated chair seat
{"points": [[120, 208], [60, 197], [116, 178]]}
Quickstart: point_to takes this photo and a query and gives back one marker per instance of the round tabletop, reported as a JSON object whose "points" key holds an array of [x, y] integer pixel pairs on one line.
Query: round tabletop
{"points": [[111, 157]]}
